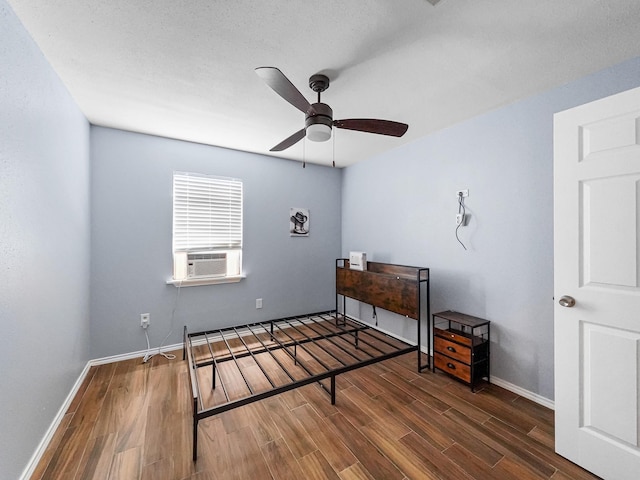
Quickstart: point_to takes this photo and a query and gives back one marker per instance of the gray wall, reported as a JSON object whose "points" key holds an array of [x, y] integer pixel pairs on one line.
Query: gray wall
{"points": [[505, 159], [44, 244], [399, 207], [131, 182]]}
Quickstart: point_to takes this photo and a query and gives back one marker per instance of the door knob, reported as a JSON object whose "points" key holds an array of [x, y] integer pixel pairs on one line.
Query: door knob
{"points": [[567, 301]]}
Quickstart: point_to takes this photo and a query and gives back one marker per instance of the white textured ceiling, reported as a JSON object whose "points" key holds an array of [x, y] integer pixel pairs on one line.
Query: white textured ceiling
{"points": [[185, 69]]}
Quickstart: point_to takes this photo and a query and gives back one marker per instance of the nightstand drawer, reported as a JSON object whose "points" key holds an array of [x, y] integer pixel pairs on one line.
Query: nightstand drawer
{"points": [[453, 350], [453, 336], [453, 367]]}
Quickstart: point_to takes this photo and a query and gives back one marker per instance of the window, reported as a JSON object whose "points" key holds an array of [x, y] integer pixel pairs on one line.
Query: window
{"points": [[207, 228]]}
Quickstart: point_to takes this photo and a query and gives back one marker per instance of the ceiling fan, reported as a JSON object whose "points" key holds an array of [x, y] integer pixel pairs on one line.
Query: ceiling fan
{"points": [[318, 117]]}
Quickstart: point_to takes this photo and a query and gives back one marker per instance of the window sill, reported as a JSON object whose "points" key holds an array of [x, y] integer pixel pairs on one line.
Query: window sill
{"points": [[195, 282]]}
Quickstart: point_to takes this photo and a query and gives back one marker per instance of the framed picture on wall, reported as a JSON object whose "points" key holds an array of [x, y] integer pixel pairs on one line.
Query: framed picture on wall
{"points": [[299, 222]]}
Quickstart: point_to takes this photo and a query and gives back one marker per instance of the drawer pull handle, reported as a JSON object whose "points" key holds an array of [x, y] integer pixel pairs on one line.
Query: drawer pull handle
{"points": [[451, 365], [451, 349]]}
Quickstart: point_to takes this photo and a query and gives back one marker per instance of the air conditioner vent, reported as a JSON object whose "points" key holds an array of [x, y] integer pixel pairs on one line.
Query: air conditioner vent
{"points": [[206, 265]]}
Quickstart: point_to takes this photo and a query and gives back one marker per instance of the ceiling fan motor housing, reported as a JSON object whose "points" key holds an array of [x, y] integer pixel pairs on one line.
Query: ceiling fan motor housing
{"points": [[318, 125], [318, 82]]}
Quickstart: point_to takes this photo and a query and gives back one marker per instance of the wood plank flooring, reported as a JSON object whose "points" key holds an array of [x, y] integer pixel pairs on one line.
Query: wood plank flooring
{"points": [[133, 421]]}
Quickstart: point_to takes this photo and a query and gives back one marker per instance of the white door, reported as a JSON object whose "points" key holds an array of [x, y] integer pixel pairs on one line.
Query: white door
{"points": [[596, 256]]}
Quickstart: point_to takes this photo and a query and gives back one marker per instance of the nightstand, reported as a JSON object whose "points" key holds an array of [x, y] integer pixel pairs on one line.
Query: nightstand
{"points": [[461, 346]]}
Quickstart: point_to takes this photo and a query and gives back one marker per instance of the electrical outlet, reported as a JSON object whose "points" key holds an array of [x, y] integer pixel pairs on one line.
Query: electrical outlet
{"points": [[258, 303], [145, 320], [459, 218], [462, 193]]}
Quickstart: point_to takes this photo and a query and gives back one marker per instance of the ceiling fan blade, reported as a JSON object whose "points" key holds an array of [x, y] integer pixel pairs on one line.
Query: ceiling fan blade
{"points": [[283, 87], [371, 125], [292, 140]]}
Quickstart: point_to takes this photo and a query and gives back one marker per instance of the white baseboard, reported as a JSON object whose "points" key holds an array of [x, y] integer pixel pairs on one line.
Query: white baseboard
{"points": [[44, 443], [534, 397], [132, 355]]}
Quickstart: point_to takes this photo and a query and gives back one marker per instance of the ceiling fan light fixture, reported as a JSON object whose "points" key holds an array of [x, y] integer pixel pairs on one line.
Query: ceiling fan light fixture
{"points": [[318, 132]]}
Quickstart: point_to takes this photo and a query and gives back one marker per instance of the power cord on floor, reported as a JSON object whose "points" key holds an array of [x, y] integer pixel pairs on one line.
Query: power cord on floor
{"points": [[169, 356], [148, 356]]}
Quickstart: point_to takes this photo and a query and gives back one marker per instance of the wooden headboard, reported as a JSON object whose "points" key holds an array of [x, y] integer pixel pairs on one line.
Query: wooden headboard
{"points": [[395, 288]]}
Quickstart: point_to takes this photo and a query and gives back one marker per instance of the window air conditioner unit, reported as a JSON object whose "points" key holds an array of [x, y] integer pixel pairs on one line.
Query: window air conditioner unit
{"points": [[206, 265]]}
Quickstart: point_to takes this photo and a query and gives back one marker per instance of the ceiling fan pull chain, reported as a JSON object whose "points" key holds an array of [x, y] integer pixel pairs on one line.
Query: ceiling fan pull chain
{"points": [[334, 150]]}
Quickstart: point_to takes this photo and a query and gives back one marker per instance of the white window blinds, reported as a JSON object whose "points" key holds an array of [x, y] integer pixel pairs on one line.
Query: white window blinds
{"points": [[207, 213]]}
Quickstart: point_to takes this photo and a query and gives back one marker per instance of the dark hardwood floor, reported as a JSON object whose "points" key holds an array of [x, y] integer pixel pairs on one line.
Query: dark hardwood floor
{"points": [[133, 421]]}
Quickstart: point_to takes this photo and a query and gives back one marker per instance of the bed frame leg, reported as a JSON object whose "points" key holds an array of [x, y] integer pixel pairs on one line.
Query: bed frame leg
{"points": [[195, 429], [333, 390], [184, 343], [195, 439]]}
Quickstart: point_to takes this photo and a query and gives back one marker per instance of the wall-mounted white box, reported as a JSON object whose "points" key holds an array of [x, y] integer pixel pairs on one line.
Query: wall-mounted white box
{"points": [[358, 260]]}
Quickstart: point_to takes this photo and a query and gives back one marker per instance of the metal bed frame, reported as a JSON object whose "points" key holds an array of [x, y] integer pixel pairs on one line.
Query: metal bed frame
{"points": [[300, 350], [313, 345]]}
